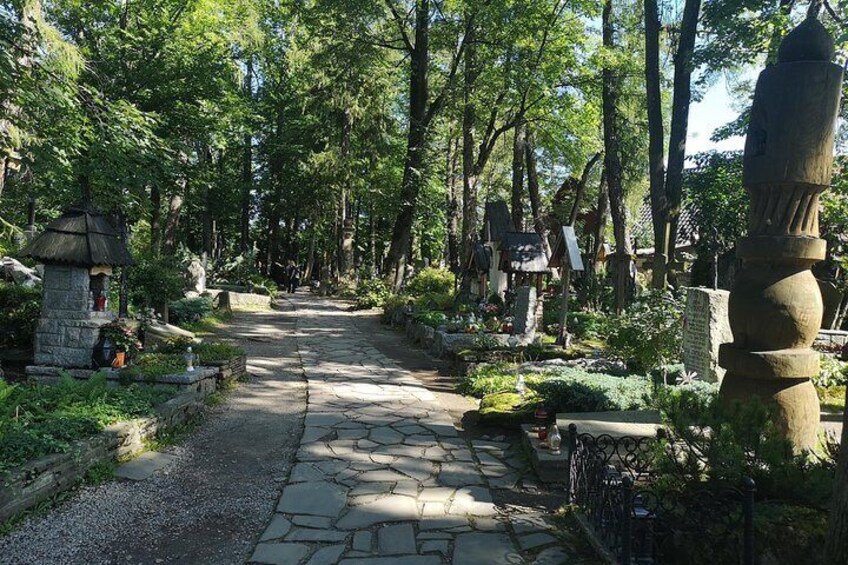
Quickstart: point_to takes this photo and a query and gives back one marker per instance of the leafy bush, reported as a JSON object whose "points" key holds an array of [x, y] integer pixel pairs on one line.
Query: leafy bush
{"points": [[432, 319], [649, 333], [20, 308], [435, 301], [122, 336], [431, 280], [833, 372], [393, 304], [38, 420], [371, 293], [582, 325], [262, 285], [154, 280], [189, 310]]}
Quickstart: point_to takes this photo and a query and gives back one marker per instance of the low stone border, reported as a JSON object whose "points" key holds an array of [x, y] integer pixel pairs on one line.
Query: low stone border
{"points": [[229, 370], [36, 481], [444, 344]]}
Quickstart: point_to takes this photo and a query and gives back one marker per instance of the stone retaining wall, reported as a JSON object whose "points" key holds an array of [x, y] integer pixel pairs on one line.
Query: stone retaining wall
{"points": [[443, 344], [32, 483], [229, 371]]}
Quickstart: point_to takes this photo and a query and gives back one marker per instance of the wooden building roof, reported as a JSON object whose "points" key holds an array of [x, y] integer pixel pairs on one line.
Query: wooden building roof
{"points": [[480, 260], [497, 221], [523, 252], [80, 237]]}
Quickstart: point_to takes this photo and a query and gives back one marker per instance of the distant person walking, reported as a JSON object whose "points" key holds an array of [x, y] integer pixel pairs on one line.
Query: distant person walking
{"points": [[294, 279]]}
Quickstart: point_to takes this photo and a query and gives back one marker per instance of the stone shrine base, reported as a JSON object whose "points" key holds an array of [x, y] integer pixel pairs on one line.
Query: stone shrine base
{"points": [[202, 379]]}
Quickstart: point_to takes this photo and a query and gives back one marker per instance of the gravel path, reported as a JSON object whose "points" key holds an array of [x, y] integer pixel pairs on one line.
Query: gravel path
{"points": [[208, 506], [383, 476]]}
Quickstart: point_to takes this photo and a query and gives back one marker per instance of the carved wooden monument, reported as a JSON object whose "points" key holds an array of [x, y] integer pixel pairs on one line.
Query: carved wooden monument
{"points": [[775, 306]]}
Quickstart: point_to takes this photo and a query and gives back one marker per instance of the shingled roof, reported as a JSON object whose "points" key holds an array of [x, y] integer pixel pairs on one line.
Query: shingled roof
{"points": [[523, 252], [687, 230], [497, 221], [80, 237], [480, 260]]}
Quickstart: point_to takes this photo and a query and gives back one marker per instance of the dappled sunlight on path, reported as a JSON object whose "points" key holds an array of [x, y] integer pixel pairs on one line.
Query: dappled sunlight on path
{"points": [[382, 476]]}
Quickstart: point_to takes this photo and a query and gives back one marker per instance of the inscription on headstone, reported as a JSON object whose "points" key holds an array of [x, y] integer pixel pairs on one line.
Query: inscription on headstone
{"points": [[705, 328]]}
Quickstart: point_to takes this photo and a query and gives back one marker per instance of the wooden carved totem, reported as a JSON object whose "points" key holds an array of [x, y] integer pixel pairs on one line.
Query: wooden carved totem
{"points": [[775, 304]]}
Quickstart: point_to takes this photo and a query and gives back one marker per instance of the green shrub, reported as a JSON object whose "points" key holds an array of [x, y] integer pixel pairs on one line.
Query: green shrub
{"points": [[574, 390], [393, 304], [649, 333], [371, 293], [431, 280], [155, 280], [832, 373], [262, 285], [20, 308], [720, 441], [432, 319], [189, 310], [582, 325], [435, 301], [38, 420]]}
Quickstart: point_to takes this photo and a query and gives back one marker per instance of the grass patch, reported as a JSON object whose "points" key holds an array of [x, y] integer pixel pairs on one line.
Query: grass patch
{"points": [[205, 350], [150, 366], [209, 324], [38, 420]]}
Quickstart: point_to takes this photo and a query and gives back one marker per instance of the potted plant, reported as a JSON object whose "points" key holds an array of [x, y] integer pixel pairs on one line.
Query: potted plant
{"points": [[123, 340]]}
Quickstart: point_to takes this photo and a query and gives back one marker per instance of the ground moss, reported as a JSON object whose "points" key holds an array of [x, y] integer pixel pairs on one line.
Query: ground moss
{"points": [[507, 409]]}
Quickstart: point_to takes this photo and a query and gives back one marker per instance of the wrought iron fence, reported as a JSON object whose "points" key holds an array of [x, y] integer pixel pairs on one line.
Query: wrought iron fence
{"points": [[614, 483]]}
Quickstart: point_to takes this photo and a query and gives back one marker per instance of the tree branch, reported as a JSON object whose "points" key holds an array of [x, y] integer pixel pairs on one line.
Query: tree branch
{"points": [[401, 24]]}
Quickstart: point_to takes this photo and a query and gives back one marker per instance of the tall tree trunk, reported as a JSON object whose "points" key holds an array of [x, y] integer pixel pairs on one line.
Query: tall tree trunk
{"points": [[155, 219], [518, 176], [246, 168], [172, 221], [416, 137], [656, 142], [612, 162], [469, 177], [345, 221], [603, 212], [681, 100], [533, 189], [836, 545], [453, 206]]}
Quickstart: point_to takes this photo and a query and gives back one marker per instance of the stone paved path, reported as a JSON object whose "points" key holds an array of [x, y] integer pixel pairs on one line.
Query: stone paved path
{"points": [[382, 476]]}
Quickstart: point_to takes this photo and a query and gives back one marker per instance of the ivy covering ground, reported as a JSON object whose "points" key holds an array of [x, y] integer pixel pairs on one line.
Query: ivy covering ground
{"points": [[38, 420]]}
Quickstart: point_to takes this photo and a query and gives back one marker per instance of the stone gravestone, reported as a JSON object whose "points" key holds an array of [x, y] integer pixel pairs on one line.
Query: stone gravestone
{"points": [[196, 276], [705, 329], [526, 310]]}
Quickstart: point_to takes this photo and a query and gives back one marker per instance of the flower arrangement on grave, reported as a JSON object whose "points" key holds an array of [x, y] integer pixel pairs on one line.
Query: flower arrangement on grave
{"points": [[489, 310], [123, 340]]}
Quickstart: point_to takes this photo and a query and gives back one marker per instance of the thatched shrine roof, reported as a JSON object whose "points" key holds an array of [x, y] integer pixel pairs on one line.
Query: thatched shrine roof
{"points": [[523, 253], [80, 237]]}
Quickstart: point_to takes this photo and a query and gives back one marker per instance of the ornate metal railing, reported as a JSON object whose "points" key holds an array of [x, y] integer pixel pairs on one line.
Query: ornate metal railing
{"points": [[613, 482]]}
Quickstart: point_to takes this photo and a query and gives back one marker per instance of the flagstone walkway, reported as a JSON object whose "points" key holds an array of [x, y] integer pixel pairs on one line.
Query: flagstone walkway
{"points": [[382, 476]]}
